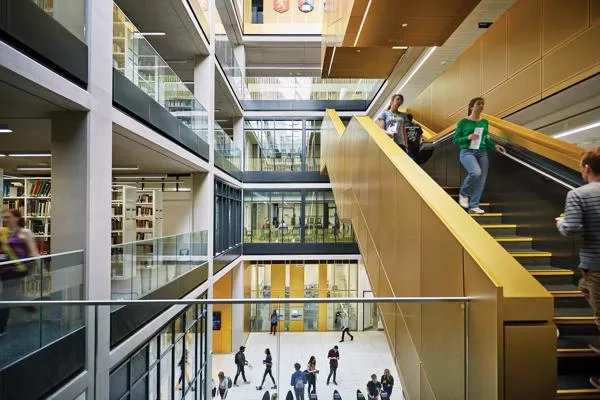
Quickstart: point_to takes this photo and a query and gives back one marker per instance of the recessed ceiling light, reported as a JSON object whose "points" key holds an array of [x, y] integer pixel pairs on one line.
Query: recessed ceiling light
{"points": [[142, 177], [358, 51], [30, 155], [2, 155], [400, 47], [362, 22], [577, 130], [417, 68], [123, 168], [404, 25], [141, 34], [34, 169], [4, 128]]}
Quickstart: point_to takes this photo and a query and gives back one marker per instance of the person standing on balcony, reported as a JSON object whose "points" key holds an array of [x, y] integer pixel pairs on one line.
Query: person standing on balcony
{"points": [[16, 243], [274, 320], [582, 217], [473, 138], [391, 120]]}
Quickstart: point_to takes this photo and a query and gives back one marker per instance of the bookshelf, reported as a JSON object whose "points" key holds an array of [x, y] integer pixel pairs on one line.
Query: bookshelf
{"points": [[32, 197], [149, 214], [123, 214]]}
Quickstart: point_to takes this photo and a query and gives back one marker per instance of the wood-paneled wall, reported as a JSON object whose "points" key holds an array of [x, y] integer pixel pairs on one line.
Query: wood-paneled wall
{"points": [[222, 338], [535, 49]]}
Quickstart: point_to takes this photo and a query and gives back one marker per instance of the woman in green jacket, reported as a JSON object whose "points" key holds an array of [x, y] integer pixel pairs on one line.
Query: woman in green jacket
{"points": [[473, 138]]}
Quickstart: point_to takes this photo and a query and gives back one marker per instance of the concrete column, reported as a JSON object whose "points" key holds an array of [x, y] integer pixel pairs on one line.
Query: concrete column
{"points": [[238, 133], [239, 52]]}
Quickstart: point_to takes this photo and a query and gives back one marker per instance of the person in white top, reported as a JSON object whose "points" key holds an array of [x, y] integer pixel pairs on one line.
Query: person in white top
{"points": [[346, 327]]}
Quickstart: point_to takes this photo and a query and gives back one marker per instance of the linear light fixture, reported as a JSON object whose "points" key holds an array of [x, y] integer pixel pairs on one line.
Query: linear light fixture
{"points": [[364, 18], [399, 47], [4, 128], [124, 168], [283, 67], [418, 67], [331, 61], [142, 34], [34, 169], [29, 155], [577, 130], [158, 176]]}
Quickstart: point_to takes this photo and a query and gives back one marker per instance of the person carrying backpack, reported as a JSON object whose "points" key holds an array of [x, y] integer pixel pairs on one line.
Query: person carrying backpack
{"points": [[413, 134], [224, 385], [240, 362], [298, 382]]}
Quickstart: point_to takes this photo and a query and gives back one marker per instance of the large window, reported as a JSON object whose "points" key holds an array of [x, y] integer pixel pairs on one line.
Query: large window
{"points": [[282, 145], [228, 217], [293, 217], [170, 365]]}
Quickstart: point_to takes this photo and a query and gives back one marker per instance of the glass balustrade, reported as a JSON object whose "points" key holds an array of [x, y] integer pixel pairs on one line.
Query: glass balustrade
{"points": [[68, 13], [226, 150]]}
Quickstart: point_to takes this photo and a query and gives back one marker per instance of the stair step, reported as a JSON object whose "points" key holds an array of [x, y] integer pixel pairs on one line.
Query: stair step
{"points": [[527, 258], [500, 230], [575, 387], [576, 344], [573, 316], [515, 243], [488, 218]]}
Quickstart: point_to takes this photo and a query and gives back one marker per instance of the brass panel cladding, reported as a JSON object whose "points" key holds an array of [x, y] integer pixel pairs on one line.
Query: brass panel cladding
{"points": [[495, 55], [583, 53], [451, 102], [486, 346], [387, 217], [594, 11], [519, 90], [361, 62], [470, 73], [520, 361], [427, 391], [407, 357], [562, 20], [374, 185], [524, 38]]}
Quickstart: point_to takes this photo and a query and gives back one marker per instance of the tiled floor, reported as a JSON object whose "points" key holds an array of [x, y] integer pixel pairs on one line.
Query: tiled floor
{"points": [[367, 354]]}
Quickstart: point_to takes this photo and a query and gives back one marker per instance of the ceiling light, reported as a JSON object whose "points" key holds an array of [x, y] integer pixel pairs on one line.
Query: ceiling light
{"points": [[34, 169], [2, 155], [158, 176], [364, 18], [30, 155], [222, 120], [404, 25], [282, 67], [577, 130], [400, 47], [142, 34], [131, 168], [4, 128], [331, 61], [418, 67]]}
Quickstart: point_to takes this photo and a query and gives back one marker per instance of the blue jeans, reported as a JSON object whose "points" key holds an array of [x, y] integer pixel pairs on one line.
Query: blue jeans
{"points": [[477, 164]]}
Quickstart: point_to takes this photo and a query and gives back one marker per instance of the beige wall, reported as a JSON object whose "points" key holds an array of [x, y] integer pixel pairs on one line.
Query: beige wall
{"points": [[291, 22], [535, 49]]}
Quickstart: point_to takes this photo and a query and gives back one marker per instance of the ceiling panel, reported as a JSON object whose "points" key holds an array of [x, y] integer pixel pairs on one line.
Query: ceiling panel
{"points": [[362, 62]]}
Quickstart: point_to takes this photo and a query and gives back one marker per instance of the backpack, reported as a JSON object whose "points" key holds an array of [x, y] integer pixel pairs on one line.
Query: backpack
{"points": [[238, 359], [229, 383], [299, 384]]}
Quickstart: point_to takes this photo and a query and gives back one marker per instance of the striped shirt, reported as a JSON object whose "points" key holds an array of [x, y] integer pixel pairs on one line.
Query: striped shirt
{"points": [[582, 217]]}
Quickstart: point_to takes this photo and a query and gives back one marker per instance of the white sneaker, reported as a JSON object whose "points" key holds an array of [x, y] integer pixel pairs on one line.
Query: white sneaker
{"points": [[476, 210], [463, 201]]}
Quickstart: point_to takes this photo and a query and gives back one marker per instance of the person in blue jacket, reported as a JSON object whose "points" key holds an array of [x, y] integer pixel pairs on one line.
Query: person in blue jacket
{"points": [[298, 382]]}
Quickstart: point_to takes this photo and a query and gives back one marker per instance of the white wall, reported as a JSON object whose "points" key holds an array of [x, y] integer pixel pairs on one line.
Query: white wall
{"points": [[177, 213]]}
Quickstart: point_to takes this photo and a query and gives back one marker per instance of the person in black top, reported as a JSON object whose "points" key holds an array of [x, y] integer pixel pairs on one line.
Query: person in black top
{"points": [[268, 361], [240, 362], [373, 388], [334, 356], [387, 382], [414, 132]]}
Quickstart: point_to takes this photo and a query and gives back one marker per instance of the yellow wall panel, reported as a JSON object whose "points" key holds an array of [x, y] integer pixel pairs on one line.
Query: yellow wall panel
{"points": [[523, 87], [453, 84], [296, 291], [387, 215], [470, 74], [562, 20], [524, 34], [222, 338], [572, 59], [494, 53], [323, 289]]}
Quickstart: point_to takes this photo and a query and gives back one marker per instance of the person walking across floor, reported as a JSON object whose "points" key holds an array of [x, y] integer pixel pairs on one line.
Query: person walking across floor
{"points": [[391, 120], [298, 381], [268, 362], [16, 243], [240, 362], [334, 357], [274, 319], [473, 138], [224, 385], [582, 217], [373, 388], [312, 371], [346, 327], [387, 383]]}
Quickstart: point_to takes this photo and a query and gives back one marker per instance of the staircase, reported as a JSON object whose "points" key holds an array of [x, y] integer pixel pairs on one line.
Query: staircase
{"points": [[572, 314]]}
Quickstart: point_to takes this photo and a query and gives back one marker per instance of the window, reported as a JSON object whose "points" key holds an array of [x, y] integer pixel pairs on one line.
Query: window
{"points": [[228, 217]]}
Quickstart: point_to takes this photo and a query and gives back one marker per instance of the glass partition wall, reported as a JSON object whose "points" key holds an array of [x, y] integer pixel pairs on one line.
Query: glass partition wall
{"points": [[282, 145], [293, 217]]}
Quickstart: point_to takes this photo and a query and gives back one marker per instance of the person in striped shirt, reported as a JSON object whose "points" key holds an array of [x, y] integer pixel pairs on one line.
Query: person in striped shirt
{"points": [[582, 217]]}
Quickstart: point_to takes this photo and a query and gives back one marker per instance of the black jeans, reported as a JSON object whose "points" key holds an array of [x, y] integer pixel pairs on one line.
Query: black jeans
{"points": [[332, 372], [268, 372], [240, 370], [273, 328], [311, 383], [347, 330], [11, 291]]}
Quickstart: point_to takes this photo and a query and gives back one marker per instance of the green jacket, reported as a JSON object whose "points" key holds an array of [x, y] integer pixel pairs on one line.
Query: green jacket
{"points": [[465, 127]]}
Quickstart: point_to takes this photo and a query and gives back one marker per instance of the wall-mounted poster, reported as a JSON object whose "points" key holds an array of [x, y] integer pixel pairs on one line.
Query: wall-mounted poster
{"points": [[281, 6], [296, 314], [216, 320]]}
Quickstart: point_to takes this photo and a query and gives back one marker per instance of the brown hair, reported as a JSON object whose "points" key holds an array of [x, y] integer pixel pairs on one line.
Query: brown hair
{"points": [[591, 158], [17, 214], [397, 95], [472, 104]]}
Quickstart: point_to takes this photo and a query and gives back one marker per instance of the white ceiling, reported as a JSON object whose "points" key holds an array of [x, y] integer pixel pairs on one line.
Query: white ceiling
{"points": [[296, 55]]}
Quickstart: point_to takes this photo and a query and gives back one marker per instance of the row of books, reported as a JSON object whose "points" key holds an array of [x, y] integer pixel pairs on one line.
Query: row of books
{"points": [[38, 188], [143, 236], [116, 224], [11, 190], [14, 205], [117, 209], [145, 224], [144, 211], [144, 198], [39, 227], [117, 196], [39, 208]]}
